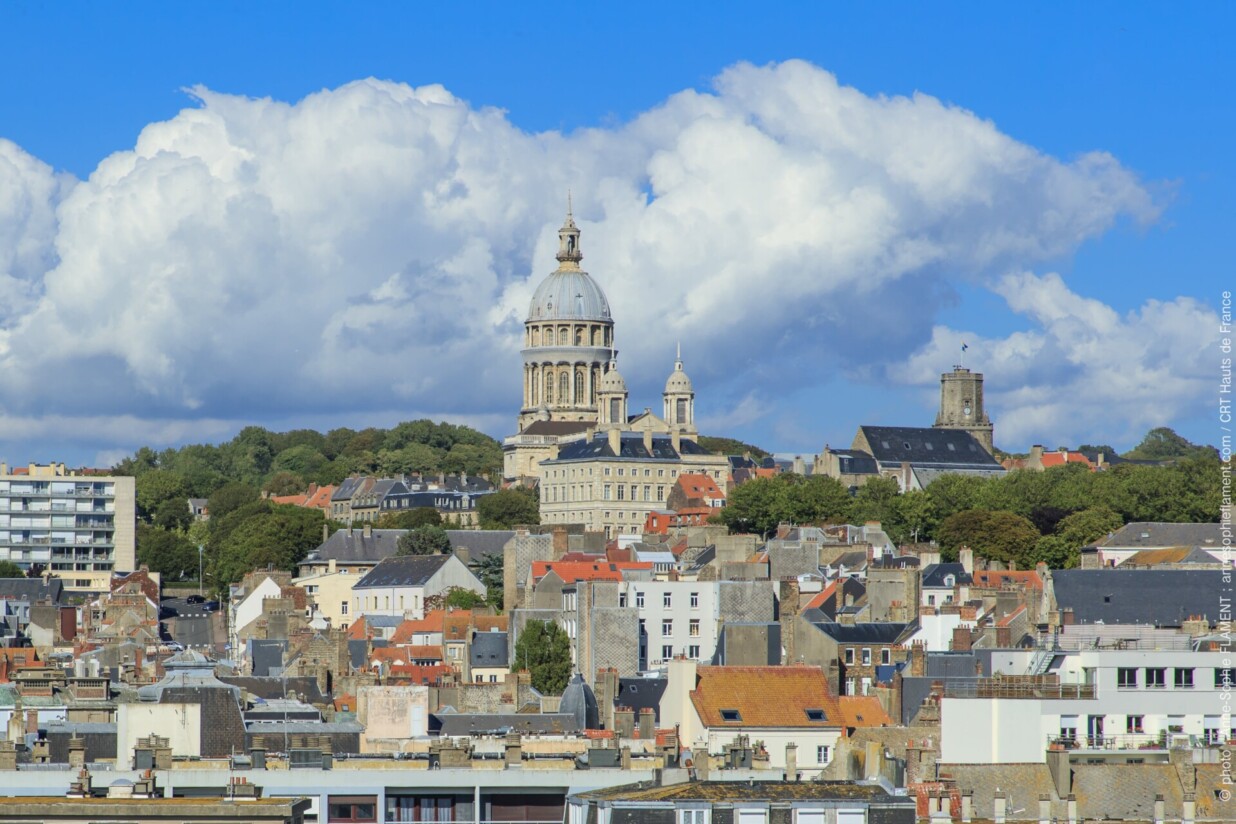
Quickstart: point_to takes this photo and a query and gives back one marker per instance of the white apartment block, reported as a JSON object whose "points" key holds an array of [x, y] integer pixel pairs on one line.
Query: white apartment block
{"points": [[677, 618], [1108, 700], [81, 528]]}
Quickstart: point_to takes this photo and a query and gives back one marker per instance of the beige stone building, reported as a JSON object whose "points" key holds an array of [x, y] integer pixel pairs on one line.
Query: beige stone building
{"points": [[80, 527], [596, 464]]}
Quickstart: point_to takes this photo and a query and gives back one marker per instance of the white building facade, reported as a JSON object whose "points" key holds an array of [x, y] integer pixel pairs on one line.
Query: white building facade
{"points": [[1108, 700]]}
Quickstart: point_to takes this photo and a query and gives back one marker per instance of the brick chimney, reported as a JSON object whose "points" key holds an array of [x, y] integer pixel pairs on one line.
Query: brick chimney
{"points": [[788, 616], [561, 543], [962, 641]]}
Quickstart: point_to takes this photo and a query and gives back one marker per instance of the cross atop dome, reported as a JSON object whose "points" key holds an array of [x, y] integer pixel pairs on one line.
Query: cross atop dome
{"points": [[569, 254]]}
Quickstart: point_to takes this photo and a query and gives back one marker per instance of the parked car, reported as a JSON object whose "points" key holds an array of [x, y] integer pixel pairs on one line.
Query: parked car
{"points": [[195, 599], [210, 606]]}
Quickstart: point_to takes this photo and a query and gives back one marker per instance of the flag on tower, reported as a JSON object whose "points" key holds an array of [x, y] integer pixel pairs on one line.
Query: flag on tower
{"points": [[964, 346]]}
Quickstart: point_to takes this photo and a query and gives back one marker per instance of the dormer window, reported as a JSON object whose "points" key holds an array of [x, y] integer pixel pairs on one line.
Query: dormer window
{"points": [[816, 715], [731, 715]]}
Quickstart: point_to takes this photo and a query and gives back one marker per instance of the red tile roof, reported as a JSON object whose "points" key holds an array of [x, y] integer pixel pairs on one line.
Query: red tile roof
{"points": [[863, 711], [764, 697], [571, 571], [996, 579], [699, 486], [432, 622], [822, 597]]}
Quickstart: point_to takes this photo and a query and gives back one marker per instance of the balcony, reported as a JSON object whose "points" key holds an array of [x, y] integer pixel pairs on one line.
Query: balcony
{"points": [[1160, 741], [1040, 687]]}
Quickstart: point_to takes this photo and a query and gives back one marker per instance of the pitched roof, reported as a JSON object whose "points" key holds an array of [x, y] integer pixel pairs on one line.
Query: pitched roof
{"points": [[699, 485], [351, 545], [1153, 535], [556, 428], [1159, 597], [863, 711], [764, 697], [403, 571], [432, 622], [480, 543], [865, 632], [822, 597], [998, 578], [1174, 555], [572, 571], [927, 446], [489, 649], [722, 791], [631, 445], [935, 574]]}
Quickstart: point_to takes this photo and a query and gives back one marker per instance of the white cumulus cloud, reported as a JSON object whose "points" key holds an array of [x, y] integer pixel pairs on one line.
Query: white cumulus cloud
{"points": [[374, 247], [1086, 371]]}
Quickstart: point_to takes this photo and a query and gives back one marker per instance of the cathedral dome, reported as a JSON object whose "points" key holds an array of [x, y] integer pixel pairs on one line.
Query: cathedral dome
{"points": [[612, 382], [678, 383], [569, 294]]}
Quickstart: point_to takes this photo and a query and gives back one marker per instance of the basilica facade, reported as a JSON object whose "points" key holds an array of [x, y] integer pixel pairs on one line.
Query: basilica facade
{"points": [[575, 433]]}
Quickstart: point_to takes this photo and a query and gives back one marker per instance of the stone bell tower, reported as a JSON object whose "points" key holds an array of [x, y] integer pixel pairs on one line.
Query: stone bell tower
{"points": [[961, 405]]}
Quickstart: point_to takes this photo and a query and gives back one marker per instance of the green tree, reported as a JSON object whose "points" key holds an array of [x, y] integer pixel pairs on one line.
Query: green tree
{"points": [[173, 514], [278, 538], [1163, 444], [167, 552], [303, 460], [817, 499], [953, 493], [157, 486], [998, 536], [410, 518], [914, 518], [229, 498], [508, 508], [424, 540], [1087, 526], [460, 598], [8, 569], [730, 446], [876, 500], [756, 506], [285, 483], [491, 570], [544, 650]]}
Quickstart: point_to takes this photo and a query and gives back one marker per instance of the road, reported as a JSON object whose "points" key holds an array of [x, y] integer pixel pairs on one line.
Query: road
{"points": [[192, 626]]}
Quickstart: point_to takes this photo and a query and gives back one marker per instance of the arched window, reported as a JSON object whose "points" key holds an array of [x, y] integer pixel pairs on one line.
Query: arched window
{"points": [[596, 378], [579, 336], [533, 398], [564, 388], [579, 387], [549, 387], [562, 336]]}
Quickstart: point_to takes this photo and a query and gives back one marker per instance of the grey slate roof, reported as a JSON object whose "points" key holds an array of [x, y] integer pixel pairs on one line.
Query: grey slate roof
{"points": [[1151, 535], [640, 694], [489, 649], [927, 446], [403, 571], [267, 656], [867, 632], [934, 575], [631, 445], [31, 589], [351, 545], [1159, 597], [557, 428], [303, 686], [481, 543], [855, 462]]}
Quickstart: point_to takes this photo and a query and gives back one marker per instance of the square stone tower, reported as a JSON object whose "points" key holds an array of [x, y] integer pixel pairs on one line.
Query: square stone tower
{"points": [[961, 405]]}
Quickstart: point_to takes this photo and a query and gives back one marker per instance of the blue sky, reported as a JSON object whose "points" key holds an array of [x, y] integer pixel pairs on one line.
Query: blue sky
{"points": [[1139, 82]]}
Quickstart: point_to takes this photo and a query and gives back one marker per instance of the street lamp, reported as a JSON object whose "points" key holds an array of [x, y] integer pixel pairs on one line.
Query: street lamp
{"points": [[200, 548]]}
